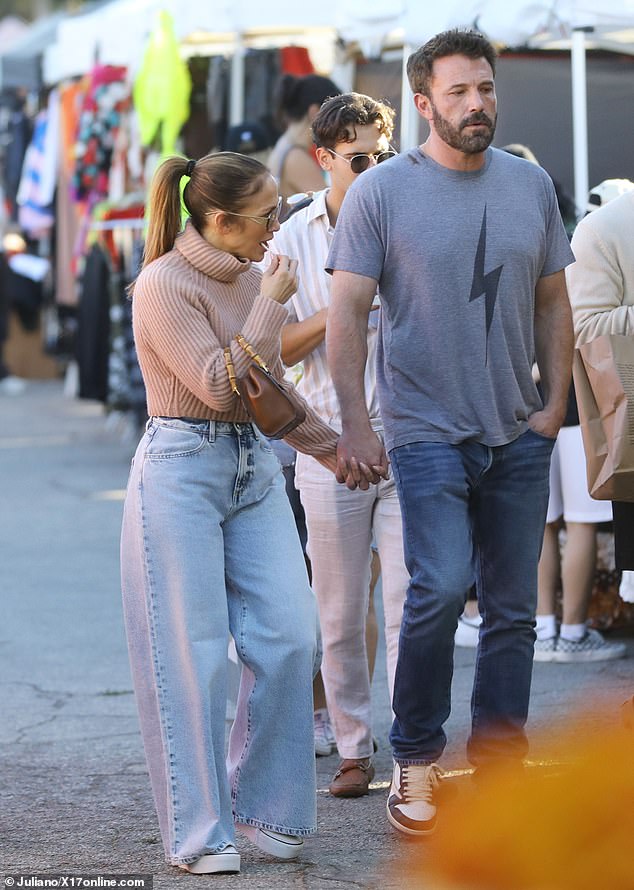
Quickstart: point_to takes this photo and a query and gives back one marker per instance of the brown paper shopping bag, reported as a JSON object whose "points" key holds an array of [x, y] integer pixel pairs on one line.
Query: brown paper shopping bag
{"points": [[603, 372]]}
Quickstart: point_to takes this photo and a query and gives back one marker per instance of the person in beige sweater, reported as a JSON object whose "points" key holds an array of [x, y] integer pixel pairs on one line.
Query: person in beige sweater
{"points": [[601, 289], [209, 546]]}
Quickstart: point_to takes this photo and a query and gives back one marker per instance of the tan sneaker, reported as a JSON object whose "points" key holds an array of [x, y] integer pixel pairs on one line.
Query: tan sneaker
{"points": [[410, 806]]}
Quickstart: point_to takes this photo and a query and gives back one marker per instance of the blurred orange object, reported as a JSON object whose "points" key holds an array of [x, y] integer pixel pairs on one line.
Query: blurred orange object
{"points": [[627, 710], [568, 827]]}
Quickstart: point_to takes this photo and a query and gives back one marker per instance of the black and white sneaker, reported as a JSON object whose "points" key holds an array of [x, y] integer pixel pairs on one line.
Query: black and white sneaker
{"points": [[591, 647], [227, 861], [410, 806], [282, 846]]}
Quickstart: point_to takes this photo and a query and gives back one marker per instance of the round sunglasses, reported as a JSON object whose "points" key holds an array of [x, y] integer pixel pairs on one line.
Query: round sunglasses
{"points": [[360, 163]]}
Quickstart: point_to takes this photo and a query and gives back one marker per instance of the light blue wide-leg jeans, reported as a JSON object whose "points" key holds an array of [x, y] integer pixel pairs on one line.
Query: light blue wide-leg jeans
{"points": [[209, 547]]}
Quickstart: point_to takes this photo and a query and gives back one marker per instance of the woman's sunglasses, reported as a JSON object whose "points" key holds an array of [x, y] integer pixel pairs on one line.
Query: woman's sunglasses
{"points": [[267, 221], [360, 163]]}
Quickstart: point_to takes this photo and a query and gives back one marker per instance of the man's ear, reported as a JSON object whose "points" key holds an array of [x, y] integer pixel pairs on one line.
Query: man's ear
{"points": [[324, 158], [423, 106]]}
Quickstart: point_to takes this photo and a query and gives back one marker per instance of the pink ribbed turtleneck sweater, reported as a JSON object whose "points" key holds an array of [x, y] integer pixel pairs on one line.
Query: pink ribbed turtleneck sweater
{"points": [[187, 306]]}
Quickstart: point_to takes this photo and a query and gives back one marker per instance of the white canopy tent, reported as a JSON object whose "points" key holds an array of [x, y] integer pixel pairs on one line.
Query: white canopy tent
{"points": [[574, 25], [117, 32], [20, 64]]}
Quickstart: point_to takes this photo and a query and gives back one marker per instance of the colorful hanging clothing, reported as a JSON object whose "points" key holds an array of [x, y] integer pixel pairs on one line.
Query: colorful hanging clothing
{"points": [[162, 88], [39, 173], [71, 100], [107, 98], [296, 60]]}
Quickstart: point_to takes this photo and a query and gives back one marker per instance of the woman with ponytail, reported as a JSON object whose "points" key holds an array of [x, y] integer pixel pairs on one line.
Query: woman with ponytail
{"points": [[209, 546]]}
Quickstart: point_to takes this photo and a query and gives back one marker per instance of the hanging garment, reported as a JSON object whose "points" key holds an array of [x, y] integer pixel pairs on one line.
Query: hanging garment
{"points": [[18, 137], [71, 100], [162, 88], [36, 192], [67, 210], [107, 98], [93, 326], [126, 390], [261, 73], [198, 135], [296, 60], [35, 218], [217, 93]]}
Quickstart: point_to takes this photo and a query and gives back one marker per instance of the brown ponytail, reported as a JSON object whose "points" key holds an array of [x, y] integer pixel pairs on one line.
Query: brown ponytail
{"points": [[164, 209], [220, 181]]}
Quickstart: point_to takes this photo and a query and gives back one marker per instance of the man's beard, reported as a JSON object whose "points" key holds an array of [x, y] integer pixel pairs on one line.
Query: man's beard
{"points": [[469, 143]]}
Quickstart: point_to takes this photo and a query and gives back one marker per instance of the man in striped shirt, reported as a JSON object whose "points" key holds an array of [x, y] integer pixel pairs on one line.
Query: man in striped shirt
{"points": [[351, 133]]}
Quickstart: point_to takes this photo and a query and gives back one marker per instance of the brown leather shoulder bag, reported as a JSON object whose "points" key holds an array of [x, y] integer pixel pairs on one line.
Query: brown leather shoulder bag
{"points": [[271, 408]]}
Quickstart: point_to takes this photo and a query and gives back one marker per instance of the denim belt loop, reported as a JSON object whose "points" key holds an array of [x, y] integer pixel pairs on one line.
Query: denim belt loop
{"points": [[212, 431]]}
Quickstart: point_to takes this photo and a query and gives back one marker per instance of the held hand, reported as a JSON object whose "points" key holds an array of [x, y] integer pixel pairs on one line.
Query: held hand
{"points": [[545, 423], [361, 475], [361, 460], [279, 281]]}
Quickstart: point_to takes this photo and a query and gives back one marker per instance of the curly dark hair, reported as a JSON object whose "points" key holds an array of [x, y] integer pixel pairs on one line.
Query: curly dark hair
{"points": [[337, 119], [457, 42]]}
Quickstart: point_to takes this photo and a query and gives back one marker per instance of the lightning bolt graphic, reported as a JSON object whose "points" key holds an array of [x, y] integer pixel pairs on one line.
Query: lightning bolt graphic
{"points": [[485, 284]]}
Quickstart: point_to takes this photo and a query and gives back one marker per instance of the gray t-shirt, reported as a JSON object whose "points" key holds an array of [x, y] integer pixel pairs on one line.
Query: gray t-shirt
{"points": [[457, 256]]}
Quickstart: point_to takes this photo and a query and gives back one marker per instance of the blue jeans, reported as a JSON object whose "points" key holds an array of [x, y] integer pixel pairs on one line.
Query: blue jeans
{"points": [[209, 548], [469, 511]]}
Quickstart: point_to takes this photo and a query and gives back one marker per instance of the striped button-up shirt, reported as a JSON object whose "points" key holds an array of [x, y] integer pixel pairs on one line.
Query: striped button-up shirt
{"points": [[306, 237]]}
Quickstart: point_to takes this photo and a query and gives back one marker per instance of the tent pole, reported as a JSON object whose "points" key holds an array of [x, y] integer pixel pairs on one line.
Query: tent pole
{"points": [[409, 116], [236, 81], [579, 116]]}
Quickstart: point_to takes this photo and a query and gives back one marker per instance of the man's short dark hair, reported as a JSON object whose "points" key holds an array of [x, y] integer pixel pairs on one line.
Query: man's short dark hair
{"points": [[457, 42], [337, 119]]}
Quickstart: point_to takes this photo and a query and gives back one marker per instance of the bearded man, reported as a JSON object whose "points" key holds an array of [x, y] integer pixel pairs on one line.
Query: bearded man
{"points": [[468, 250]]}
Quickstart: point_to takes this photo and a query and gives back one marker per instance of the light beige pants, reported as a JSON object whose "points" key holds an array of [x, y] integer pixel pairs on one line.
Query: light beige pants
{"points": [[342, 526]]}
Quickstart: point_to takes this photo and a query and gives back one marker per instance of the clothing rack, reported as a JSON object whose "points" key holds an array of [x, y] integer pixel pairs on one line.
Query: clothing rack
{"points": [[109, 225]]}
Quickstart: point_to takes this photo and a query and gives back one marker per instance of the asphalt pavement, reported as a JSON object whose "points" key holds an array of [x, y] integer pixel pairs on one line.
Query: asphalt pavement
{"points": [[75, 796]]}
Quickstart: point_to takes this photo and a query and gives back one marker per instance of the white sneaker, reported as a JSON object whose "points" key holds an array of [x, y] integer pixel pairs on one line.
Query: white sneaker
{"points": [[592, 647], [325, 742], [626, 587], [227, 860], [282, 846], [410, 806], [468, 631], [12, 386]]}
